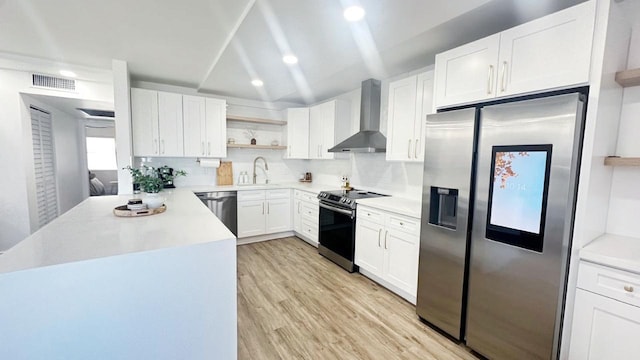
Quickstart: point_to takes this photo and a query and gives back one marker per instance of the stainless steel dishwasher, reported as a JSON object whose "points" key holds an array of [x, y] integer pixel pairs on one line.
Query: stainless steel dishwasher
{"points": [[224, 204]]}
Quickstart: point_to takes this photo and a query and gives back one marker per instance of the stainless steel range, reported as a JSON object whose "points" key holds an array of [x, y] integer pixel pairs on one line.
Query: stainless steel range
{"points": [[337, 228]]}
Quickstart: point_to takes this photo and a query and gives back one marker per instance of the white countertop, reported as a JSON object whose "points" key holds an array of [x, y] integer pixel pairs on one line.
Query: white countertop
{"points": [[311, 187], [403, 206], [616, 251], [90, 230]]}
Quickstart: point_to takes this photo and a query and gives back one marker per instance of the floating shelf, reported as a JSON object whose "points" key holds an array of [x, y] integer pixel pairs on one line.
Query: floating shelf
{"points": [[255, 120], [261, 147], [622, 161], [628, 77]]}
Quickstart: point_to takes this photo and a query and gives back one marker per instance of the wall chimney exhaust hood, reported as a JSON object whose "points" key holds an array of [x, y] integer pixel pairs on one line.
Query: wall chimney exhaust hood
{"points": [[369, 138]]}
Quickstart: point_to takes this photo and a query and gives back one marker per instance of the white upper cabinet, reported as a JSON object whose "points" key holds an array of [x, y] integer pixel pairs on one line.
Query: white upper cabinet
{"points": [[205, 126], [215, 140], [467, 73], [410, 100], [157, 123], [328, 122], [144, 115], [552, 52], [170, 124], [193, 111], [298, 133]]}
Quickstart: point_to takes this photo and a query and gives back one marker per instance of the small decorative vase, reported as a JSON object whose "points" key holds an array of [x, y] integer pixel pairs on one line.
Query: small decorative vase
{"points": [[253, 141], [153, 200]]}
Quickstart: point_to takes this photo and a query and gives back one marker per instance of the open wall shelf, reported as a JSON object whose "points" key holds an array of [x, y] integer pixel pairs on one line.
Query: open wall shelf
{"points": [[628, 77], [622, 161], [261, 147], [244, 119]]}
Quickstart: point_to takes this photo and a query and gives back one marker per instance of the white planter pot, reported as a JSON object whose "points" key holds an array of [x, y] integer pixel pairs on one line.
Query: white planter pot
{"points": [[153, 200]]}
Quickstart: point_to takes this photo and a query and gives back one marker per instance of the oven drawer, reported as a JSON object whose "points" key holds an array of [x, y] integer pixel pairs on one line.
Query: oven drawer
{"points": [[617, 284], [405, 224], [370, 214]]}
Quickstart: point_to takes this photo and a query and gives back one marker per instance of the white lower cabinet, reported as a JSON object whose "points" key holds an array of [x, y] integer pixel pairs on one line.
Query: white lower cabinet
{"points": [[306, 216], [263, 212], [387, 247], [606, 318]]}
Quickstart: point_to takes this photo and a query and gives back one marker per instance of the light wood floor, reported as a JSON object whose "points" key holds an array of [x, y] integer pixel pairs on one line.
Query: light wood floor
{"points": [[295, 304]]}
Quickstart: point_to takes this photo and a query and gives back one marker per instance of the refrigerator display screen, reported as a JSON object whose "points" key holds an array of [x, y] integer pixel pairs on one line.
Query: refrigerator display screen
{"points": [[518, 195]]}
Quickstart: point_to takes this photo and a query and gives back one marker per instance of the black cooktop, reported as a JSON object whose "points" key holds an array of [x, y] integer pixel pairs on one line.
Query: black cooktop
{"points": [[354, 194]]}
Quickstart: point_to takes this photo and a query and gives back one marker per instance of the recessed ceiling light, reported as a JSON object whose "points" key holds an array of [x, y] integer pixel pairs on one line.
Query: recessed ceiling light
{"points": [[353, 13], [67, 73], [290, 59], [257, 82]]}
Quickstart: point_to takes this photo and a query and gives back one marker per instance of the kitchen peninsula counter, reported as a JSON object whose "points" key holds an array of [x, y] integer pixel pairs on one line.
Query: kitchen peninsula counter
{"points": [[93, 285]]}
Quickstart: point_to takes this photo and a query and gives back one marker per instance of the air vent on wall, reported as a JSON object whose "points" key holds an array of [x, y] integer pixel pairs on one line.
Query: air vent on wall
{"points": [[50, 82]]}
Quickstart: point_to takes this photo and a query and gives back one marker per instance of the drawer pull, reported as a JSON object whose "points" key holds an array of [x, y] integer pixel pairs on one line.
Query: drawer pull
{"points": [[628, 288], [401, 223]]}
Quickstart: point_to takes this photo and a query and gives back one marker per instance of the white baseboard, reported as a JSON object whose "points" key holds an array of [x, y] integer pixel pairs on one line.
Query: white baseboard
{"points": [[403, 294], [306, 239], [265, 237]]}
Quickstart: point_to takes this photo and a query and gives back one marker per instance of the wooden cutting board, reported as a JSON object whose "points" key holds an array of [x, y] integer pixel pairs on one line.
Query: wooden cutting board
{"points": [[225, 173]]}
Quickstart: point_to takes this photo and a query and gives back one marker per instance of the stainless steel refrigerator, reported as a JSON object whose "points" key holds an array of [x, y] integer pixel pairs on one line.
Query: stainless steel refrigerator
{"points": [[497, 213]]}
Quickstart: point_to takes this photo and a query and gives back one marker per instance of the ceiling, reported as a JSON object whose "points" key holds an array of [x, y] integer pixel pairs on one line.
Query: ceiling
{"points": [[219, 46]]}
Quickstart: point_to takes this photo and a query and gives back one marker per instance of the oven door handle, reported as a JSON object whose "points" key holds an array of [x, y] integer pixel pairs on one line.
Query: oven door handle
{"points": [[338, 210]]}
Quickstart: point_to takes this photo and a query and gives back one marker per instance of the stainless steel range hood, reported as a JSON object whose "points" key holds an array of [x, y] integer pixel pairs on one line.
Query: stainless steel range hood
{"points": [[369, 138]]}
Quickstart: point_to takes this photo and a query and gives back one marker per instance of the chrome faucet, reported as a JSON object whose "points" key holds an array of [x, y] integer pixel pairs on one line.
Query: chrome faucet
{"points": [[266, 167]]}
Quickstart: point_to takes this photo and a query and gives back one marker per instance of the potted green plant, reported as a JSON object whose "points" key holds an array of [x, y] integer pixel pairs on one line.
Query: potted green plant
{"points": [[148, 180]]}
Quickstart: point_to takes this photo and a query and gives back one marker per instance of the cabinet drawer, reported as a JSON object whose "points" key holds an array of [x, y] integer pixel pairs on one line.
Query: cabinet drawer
{"points": [[617, 284], [279, 194], [310, 211], [370, 214], [247, 195], [405, 224], [310, 197], [310, 229]]}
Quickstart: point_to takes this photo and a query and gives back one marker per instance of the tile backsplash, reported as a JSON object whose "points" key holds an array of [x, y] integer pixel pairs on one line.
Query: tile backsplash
{"points": [[367, 171]]}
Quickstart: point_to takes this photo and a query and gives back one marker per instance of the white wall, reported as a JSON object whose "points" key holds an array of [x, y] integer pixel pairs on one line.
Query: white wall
{"points": [[15, 147], [14, 209], [625, 190]]}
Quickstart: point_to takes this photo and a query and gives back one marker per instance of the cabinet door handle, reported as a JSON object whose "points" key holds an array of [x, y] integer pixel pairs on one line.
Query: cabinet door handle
{"points": [[409, 150], [319, 150], [386, 232], [155, 146], [208, 147], [415, 153], [289, 150], [202, 148], [262, 208], [379, 233], [268, 208], [489, 79], [628, 288], [163, 148], [298, 207], [503, 85]]}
